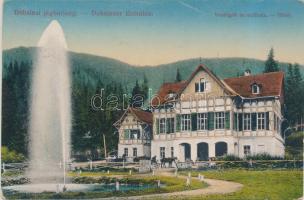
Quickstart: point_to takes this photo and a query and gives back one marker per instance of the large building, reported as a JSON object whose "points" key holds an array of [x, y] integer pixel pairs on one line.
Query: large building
{"points": [[205, 117]]}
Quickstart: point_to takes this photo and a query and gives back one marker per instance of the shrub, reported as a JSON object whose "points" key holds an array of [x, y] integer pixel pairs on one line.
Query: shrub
{"points": [[10, 156], [263, 156], [294, 146], [228, 158]]}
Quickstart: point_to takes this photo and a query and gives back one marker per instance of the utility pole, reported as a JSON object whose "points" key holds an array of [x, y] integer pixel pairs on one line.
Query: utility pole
{"points": [[104, 145]]}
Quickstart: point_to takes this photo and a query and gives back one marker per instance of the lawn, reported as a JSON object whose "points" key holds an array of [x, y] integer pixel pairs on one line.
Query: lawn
{"points": [[258, 185], [172, 184]]}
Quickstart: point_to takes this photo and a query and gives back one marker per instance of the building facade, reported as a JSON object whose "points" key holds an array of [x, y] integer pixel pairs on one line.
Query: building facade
{"points": [[135, 134], [205, 117]]}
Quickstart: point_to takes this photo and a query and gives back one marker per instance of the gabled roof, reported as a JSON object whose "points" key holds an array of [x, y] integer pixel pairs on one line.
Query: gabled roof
{"points": [[141, 115], [144, 116], [166, 89], [212, 75], [179, 87], [271, 84]]}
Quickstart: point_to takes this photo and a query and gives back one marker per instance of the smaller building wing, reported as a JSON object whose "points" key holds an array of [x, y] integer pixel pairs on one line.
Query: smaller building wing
{"points": [[141, 115]]}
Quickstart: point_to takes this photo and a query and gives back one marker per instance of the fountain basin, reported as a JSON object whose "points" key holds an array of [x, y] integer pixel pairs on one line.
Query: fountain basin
{"points": [[40, 188]]}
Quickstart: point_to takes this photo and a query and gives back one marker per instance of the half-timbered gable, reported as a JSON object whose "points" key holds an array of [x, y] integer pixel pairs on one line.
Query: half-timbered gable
{"points": [[135, 133]]}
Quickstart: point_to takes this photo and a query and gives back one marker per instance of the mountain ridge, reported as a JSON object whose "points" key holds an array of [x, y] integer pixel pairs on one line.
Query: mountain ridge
{"points": [[92, 68]]}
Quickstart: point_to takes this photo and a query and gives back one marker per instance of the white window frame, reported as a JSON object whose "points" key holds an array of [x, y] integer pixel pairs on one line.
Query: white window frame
{"points": [[204, 88], [126, 152], [162, 152], [247, 150], [186, 122], [202, 120], [202, 80], [162, 125], [219, 120], [261, 121], [247, 122], [132, 134], [135, 152], [170, 125], [255, 87]]}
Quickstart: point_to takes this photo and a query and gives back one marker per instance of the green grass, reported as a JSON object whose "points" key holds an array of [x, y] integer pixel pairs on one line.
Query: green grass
{"points": [[172, 185], [258, 185], [11, 173]]}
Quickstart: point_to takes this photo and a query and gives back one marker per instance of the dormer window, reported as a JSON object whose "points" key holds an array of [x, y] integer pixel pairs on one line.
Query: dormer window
{"points": [[255, 88], [201, 86], [171, 95]]}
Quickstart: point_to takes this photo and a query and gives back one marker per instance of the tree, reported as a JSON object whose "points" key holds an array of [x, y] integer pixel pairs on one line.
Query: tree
{"points": [[137, 99], [145, 87], [271, 65], [178, 76], [294, 94]]}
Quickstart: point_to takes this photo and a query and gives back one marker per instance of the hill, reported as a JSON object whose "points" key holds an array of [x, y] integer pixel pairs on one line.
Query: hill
{"points": [[91, 68]]}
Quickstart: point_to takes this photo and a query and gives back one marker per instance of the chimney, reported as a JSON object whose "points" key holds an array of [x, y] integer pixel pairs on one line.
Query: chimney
{"points": [[247, 72]]}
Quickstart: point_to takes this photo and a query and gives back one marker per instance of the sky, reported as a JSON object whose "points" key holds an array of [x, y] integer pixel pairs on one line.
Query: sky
{"points": [[172, 30]]}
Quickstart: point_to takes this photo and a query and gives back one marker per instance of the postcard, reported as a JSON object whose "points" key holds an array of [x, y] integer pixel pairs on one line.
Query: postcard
{"points": [[152, 99]]}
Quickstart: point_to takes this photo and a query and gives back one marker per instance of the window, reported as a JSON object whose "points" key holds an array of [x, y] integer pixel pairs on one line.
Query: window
{"points": [[219, 120], [247, 150], [170, 125], [275, 122], [172, 152], [162, 125], [201, 86], [126, 134], [255, 89], [247, 121], [186, 122], [126, 152], [135, 134], [202, 121], [134, 152], [278, 124], [162, 152], [171, 95], [261, 121]]}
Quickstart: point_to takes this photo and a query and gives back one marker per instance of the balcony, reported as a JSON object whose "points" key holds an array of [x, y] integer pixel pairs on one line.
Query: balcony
{"points": [[133, 141]]}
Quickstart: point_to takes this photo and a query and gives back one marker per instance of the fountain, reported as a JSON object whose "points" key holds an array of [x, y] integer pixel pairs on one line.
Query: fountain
{"points": [[50, 109], [50, 122]]}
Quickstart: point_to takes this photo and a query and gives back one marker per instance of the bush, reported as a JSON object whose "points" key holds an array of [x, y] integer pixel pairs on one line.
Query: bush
{"points": [[294, 146], [10, 156], [228, 158], [263, 156]]}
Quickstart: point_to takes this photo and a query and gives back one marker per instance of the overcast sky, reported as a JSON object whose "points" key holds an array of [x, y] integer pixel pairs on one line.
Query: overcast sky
{"points": [[176, 30]]}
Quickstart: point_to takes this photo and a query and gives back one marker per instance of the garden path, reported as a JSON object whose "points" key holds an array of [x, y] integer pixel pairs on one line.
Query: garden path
{"points": [[214, 187]]}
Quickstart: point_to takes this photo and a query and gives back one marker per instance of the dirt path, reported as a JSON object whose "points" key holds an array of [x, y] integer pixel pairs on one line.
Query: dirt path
{"points": [[214, 187]]}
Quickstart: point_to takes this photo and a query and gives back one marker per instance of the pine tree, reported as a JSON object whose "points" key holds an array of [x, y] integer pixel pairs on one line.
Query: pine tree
{"points": [[294, 94], [271, 65], [145, 87], [136, 92], [178, 76]]}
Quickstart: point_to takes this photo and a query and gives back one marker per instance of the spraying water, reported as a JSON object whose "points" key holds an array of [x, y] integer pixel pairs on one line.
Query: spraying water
{"points": [[50, 121]]}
